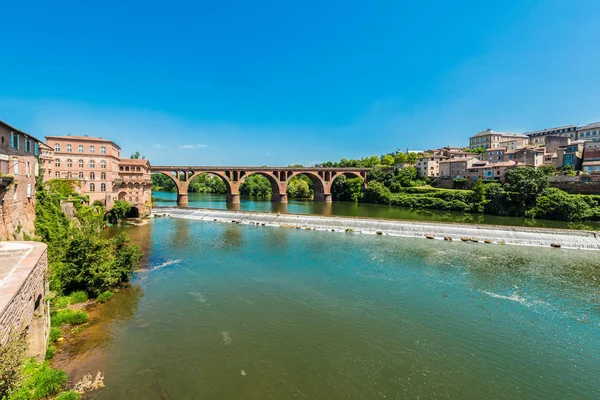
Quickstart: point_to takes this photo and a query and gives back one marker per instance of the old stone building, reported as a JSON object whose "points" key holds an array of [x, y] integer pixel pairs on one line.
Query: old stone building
{"points": [[19, 168], [134, 184]]}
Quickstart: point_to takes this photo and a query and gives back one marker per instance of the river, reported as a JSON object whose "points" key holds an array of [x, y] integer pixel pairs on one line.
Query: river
{"points": [[227, 311], [341, 208]]}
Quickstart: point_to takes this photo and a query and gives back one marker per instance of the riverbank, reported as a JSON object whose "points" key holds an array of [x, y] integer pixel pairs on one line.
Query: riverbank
{"points": [[545, 237]]}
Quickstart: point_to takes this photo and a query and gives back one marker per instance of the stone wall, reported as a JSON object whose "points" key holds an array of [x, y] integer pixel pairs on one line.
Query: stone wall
{"points": [[582, 184], [17, 201], [23, 291]]}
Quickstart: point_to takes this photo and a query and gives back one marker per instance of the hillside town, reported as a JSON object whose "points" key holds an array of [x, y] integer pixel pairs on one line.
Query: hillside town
{"points": [[490, 153]]}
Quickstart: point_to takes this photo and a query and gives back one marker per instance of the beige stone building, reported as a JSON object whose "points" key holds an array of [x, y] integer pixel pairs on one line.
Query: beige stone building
{"points": [[19, 168], [134, 184], [539, 137], [493, 139], [589, 132], [429, 165], [456, 167]]}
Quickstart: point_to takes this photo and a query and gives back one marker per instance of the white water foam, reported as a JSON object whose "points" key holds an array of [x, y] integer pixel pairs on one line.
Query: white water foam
{"points": [[226, 338], [198, 296]]}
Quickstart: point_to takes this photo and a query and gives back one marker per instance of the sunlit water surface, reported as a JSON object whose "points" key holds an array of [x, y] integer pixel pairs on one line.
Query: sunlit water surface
{"points": [[226, 311]]}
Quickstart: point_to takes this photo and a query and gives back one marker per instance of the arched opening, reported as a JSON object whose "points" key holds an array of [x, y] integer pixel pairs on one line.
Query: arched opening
{"points": [[184, 182], [347, 186], [305, 185], [262, 185], [134, 212]]}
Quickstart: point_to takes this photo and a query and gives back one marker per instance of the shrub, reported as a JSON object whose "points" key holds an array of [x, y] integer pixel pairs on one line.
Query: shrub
{"points": [[40, 382], [78, 297], [70, 395], [50, 352], [55, 333], [68, 316], [11, 355], [60, 302], [105, 296]]}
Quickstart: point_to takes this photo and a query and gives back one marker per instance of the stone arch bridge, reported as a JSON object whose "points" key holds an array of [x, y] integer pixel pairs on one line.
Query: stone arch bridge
{"points": [[279, 177]]}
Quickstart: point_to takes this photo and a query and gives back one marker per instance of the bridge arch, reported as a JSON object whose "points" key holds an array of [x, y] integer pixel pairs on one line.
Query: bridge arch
{"points": [[278, 187]]}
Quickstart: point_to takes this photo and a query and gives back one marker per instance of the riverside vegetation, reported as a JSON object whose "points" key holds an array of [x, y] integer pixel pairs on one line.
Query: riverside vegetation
{"points": [[525, 192], [82, 265]]}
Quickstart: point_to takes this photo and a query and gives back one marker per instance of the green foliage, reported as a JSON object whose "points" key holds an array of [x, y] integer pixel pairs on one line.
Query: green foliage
{"points": [[161, 182], [204, 183], [63, 187], [525, 184], [300, 187], [50, 352], [459, 183], [105, 296], [479, 199], [556, 204], [78, 297], [59, 302], [55, 333], [70, 395], [347, 189], [408, 177], [137, 155], [11, 355], [40, 382], [476, 150], [256, 185], [547, 169], [387, 160], [568, 170], [68, 316], [121, 209], [98, 203]]}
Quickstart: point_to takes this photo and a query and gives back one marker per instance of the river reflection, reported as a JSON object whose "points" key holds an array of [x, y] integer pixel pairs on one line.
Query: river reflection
{"points": [[336, 208]]}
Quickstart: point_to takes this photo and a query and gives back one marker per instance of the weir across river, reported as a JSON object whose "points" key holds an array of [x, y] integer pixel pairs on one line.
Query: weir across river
{"points": [[279, 178]]}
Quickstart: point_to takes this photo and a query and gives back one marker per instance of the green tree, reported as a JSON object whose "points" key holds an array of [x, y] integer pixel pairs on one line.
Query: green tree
{"points": [[411, 158], [547, 169], [299, 188], [256, 185], [400, 158], [479, 199], [387, 160], [524, 185], [557, 204], [137, 155], [476, 150], [568, 170]]}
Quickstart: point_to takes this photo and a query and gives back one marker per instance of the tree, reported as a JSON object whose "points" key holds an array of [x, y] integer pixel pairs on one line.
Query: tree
{"points": [[407, 176], [568, 170], [479, 199], [256, 185], [400, 158], [524, 185], [476, 150], [387, 160], [299, 188], [547, 169], [557, 204], [136, 156], [411, 158]]}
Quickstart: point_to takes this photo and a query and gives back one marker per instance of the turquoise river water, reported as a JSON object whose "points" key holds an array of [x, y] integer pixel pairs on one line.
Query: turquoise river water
{"points": [[340, 208], [226, 311]]}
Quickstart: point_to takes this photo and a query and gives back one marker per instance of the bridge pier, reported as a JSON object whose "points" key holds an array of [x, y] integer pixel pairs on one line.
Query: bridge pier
{"points": [[323, 197], [233, 198], [182, 199], [279, 198]]}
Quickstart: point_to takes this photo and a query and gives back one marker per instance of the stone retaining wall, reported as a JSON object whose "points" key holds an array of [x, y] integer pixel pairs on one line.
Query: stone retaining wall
{"points": [[23, 290]]}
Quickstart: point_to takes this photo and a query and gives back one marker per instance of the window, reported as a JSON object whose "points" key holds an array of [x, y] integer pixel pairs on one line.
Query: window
{"points": [[92, 176], [80, 148], [57, 163], [57, 174], [15, 166], [69, 148], [102, 150], [120, 168], [103, 187], [36, 148], [92, 187], [12, 140], [103, 176], [92, 164], [137, 185], [69, 163], [92, 149], [69, 176], [137, 199], [81, 175], [138, 169], [80, 163], [102, 164], [57, 147]]}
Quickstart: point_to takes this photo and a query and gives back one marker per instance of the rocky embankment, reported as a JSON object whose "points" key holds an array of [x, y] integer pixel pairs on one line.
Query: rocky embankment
{"points": [[488, 234]]}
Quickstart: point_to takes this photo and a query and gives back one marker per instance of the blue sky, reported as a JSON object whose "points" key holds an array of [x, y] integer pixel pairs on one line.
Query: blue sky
{"points": [[280, 82]]}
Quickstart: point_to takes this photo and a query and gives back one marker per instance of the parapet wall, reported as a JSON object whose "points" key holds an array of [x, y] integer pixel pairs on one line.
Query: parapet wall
{"points": [[23, 289]]}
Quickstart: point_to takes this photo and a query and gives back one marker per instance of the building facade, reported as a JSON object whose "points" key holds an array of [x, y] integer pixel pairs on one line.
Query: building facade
{"points": [[429, 166], [591, 157], [589, 132], [92, 162], [19, 168], [134, 184], [493, 139], [456, 167], [539, 137]]}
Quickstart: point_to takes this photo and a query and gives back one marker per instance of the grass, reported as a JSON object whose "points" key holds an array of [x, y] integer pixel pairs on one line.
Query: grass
{"points": [[105, 296], [55, 333], [40, 382], [78, 297], [67, 316], [60, 302], [50, 352], [70, 395]]}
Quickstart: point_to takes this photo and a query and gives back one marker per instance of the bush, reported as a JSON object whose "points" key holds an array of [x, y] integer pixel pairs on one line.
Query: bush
{"points": [[50, 351], [55, 333], [70, 395], [11, 356], [556, 204], [105, 296], [40, 382], [67, 316], [78, 297], [60, 302]]}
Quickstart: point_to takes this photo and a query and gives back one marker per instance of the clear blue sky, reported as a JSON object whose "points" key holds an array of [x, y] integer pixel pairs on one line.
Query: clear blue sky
{"points": [[279, 82]]}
